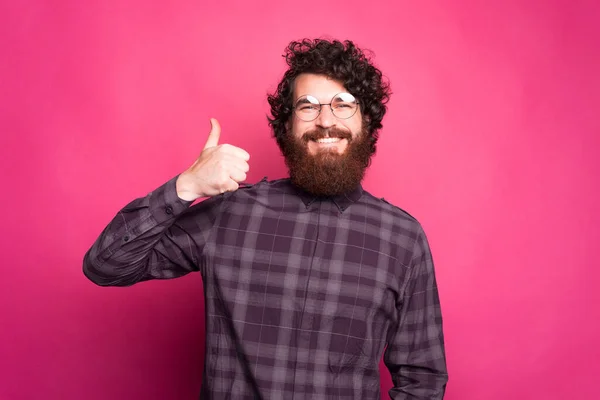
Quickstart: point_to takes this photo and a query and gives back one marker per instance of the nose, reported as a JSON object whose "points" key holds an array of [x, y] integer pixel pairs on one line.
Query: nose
{"points": [[326, 119]]}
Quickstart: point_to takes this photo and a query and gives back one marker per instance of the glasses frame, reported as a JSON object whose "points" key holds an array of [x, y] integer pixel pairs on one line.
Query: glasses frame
{"points": [[324, 104]]}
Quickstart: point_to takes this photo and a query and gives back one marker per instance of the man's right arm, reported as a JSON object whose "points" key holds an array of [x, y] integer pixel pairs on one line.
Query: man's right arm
{"points": [[158, 236], [154, 237]]}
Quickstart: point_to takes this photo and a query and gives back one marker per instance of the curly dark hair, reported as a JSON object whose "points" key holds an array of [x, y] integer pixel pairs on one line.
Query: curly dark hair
{"points": [[342, 61]]}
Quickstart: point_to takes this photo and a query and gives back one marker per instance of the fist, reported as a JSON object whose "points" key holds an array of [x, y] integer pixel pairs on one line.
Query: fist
{"points": [[219, 169]]}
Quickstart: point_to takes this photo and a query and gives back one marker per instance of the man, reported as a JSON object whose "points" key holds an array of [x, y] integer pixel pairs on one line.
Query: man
{"points": [[308, 280]]}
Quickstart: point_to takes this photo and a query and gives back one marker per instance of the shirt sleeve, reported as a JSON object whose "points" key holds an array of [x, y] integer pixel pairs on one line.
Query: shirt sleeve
{"points": [[415, 355], [158, 236]]}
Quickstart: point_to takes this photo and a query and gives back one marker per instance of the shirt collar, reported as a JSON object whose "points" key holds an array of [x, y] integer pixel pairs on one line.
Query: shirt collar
{"points": [[342, 201]]}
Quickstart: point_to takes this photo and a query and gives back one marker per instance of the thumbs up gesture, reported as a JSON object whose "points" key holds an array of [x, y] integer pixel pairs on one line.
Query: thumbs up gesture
{"points": [[220, 168]]}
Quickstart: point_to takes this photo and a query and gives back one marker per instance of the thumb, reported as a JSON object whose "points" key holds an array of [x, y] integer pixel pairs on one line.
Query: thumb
{"points": [[215, 133]]}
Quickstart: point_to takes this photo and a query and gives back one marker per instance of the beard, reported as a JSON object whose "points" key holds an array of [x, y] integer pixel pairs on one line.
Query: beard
{"points": [[328, 173]]}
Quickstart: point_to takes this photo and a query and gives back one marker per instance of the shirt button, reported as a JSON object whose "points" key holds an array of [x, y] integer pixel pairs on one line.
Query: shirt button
{"points": [[126, 238], [169, 210]]}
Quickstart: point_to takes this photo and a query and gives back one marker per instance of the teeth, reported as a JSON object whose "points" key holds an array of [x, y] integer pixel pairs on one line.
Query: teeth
{"points": [[328, 140]]}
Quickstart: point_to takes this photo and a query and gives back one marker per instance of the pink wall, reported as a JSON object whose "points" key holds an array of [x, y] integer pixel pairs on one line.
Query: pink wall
{"points": [[491, 141]]}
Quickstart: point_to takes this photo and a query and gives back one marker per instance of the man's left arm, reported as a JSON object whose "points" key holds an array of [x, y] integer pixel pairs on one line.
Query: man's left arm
{"points": [[415, 355]]}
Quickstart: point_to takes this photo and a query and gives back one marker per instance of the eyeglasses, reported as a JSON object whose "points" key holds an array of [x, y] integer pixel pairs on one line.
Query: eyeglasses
{"points": [[343, 106]]}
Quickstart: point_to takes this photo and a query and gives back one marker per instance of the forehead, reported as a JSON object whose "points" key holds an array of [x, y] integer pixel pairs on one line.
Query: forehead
{"points": [[320, 86]]}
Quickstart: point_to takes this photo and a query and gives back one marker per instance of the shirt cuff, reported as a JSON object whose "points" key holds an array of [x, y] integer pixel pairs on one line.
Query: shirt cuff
{"points": [[164, 202]]}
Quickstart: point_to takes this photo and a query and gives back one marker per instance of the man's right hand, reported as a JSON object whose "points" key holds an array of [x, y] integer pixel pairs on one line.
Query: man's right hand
{"points": [[219, 169]]}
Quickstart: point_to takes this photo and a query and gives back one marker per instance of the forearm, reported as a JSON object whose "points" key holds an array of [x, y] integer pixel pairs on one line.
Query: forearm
{"points": [[132, 248], [419, 370], [416, 354], [419, 383]]}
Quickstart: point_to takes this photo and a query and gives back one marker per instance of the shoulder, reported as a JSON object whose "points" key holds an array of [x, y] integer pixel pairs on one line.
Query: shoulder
{"points": [[402, 227], [386, 208], [261, 187], [264, 191]]}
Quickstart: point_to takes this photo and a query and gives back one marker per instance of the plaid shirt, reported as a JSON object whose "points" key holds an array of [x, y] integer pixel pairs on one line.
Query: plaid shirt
{"points": [[303, 295]]}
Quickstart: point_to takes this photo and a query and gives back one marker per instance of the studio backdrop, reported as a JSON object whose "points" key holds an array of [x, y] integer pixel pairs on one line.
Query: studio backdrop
{"points": [[491, 141]]}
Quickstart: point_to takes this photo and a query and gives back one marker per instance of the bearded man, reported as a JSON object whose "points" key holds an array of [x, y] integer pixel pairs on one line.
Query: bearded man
{"points": [[308, 281]]}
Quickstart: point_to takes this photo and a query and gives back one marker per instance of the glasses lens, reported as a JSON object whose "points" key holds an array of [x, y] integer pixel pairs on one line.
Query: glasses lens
{"points": [[344, 105], [307, 108]]}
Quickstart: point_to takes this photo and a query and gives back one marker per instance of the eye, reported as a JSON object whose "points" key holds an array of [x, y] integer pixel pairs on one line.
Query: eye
{"points": [[344, 106], [307, 107]]}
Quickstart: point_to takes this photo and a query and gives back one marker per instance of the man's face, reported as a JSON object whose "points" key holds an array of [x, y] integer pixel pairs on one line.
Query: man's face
{"points": [[323, 89], [327, 155]]}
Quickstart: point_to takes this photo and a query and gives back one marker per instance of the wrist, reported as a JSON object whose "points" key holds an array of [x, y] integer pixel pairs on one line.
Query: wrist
{"points": [[185, 188]]}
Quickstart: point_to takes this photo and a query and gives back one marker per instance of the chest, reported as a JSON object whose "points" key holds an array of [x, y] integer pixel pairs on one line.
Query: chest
{"points": [[317, 258]]}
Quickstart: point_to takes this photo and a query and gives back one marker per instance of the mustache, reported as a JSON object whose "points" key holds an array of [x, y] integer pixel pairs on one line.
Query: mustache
{"points": [[320, 133]]}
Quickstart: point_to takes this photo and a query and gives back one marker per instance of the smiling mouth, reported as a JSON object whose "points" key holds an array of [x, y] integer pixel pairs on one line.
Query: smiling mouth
{"points": [[328, 140]]}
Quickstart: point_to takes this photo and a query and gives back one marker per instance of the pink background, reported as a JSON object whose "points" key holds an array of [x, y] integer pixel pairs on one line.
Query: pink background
{"points": [[491, 141]]}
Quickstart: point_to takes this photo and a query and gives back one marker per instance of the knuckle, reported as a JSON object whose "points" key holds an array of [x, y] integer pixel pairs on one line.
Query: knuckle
{"points": [[223, 187]]}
